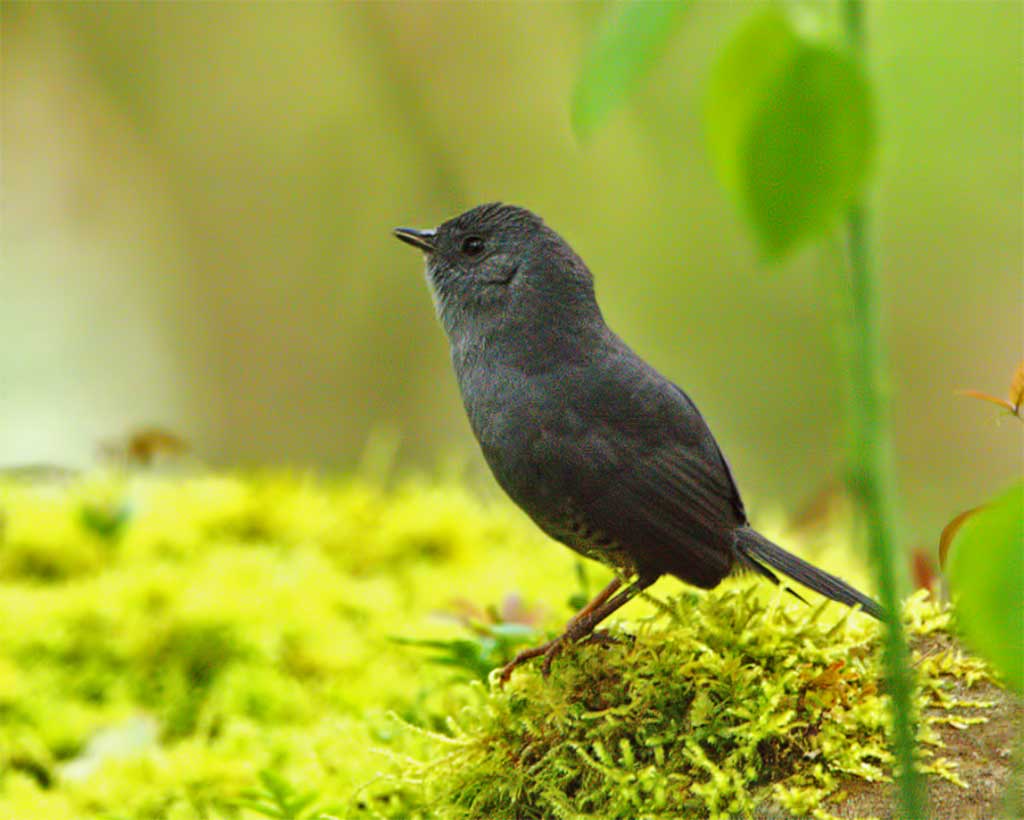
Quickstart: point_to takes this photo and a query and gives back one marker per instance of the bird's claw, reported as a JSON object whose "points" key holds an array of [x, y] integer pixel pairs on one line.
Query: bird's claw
{"points": [[549, 655], [548, 650]]}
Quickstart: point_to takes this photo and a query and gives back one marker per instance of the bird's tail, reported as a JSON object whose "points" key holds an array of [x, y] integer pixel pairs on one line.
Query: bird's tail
{"points": [[759, 550]]}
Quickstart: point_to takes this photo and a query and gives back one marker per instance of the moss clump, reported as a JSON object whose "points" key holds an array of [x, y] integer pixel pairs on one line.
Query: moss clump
{"points": [[717, 706]]}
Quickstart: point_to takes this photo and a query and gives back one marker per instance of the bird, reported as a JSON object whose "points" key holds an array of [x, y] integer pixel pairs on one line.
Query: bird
{"points": [[602, 451]]}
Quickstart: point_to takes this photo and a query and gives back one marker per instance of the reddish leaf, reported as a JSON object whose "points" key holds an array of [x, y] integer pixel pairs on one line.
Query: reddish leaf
{"points": [[977, 394], [818, 510], [1017, 389], [922, 568], [950, 530], [1015, 405]]}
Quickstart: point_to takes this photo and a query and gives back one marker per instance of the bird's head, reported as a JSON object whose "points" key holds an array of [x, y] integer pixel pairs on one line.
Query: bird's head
{"points": [[500, 267]]}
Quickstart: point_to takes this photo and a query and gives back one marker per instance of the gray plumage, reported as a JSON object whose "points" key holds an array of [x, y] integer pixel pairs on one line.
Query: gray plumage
{"points": [[603, 452]]}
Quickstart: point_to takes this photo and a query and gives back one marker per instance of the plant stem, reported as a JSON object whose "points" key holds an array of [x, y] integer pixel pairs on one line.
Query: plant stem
{"points": [[872, 484], [871, 475]]}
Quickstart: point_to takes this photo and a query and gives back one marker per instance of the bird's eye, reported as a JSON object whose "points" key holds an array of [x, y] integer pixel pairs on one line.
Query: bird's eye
{"points": [[472, 245]]}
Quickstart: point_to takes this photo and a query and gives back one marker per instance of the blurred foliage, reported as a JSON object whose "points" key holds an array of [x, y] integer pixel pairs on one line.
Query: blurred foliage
{"points": [[790, 122], [986, 578], [789, 114], [249, 617], [494, 645], [226, 651], [279, 799], [631, 40]]}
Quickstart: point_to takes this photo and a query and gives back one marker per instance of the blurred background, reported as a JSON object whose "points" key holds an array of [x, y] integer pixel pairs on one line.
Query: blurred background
{"points": [[197, 202]]}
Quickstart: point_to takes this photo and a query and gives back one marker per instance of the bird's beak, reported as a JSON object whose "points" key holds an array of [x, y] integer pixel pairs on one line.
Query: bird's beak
{"points": [[424, 240]]}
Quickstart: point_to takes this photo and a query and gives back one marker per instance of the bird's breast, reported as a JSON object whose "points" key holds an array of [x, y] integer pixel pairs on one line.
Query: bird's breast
{"points": [[521, 425]]}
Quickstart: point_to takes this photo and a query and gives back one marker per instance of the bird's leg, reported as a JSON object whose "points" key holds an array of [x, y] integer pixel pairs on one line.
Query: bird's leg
{"points": [[581, 624], [592, 614], [552, 645]]}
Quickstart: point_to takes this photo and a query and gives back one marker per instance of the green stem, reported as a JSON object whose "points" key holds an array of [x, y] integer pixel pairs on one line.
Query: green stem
{"points": [[871, 474], [871, 480]]}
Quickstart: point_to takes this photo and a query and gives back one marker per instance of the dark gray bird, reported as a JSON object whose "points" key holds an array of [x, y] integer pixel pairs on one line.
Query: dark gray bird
{"points": [[604, 453]]}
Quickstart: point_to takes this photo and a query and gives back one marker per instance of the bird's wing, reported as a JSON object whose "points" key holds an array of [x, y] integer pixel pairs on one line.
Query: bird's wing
{"points": [[722, 478], [663, 492]]}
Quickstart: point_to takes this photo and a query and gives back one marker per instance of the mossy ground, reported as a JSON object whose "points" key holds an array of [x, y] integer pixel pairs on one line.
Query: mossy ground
{"points": [[225, 646]]}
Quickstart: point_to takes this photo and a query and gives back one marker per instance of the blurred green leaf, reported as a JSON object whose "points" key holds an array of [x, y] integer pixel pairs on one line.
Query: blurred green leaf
{"points": [[741, 84], [631, 40], [790, 125], [986, 576], [493, 646], [279, 799], [105, 520]]}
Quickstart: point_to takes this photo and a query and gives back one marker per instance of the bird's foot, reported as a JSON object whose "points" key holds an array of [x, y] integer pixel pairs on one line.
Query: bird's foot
{"points": [[581, 626], [551, 650], [548, 650]]}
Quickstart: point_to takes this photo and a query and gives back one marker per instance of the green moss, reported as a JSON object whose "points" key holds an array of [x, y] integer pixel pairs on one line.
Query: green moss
{"points": [[710, 708], [251, 620], [250, 617]]}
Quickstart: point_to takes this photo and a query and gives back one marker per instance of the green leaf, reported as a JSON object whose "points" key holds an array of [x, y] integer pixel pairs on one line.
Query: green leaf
{"points": [[741, 85], [986, 576], [106, 521], [631, 40], [790, 128]]}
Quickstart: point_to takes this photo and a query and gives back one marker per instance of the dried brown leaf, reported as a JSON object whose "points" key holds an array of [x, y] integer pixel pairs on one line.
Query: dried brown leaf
{"points": [[143, 447]]}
